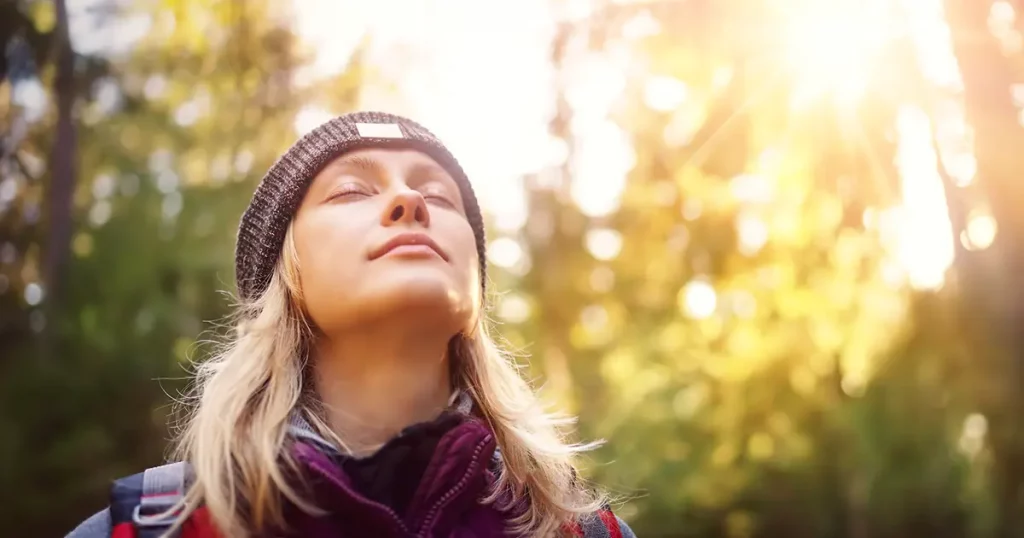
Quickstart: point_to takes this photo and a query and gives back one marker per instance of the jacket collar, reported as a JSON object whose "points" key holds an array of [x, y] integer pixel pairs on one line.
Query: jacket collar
{"points": [[300, 428]]}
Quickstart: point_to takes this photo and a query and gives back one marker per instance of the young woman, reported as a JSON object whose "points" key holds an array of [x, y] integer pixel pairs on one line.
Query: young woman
{"points": [[361, 394]]}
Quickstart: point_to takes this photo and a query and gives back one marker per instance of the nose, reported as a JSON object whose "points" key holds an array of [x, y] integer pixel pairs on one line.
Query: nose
{"points": [[407, 206]]}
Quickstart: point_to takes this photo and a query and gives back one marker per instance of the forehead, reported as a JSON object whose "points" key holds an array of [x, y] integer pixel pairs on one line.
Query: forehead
{"points": [[391, 158]]}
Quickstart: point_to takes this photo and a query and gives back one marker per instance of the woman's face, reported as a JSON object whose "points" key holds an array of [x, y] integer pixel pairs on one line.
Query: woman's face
{"points": [[381, 234]]}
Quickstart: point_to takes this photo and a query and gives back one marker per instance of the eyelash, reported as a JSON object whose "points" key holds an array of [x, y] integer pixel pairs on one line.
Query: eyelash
{"points": [[347, 190], [439, 197]]}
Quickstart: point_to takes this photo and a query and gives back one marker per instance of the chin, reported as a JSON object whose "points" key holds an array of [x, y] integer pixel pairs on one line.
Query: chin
{"points": [[437, 296], [428, 295]]}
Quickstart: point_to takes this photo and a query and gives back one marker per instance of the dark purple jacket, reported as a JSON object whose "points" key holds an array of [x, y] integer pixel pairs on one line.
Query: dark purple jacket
{"points": [[426, 482]]}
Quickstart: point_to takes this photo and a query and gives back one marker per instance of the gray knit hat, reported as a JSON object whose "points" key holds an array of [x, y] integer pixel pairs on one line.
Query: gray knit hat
{"points": [[277, 198]]}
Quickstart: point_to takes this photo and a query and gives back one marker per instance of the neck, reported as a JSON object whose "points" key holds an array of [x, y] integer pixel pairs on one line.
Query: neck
{"points": [[375, 381]]}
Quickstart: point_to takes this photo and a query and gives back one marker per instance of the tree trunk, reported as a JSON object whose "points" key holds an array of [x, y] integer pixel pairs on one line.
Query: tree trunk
{"points": [[63, 167], [988, 75]]}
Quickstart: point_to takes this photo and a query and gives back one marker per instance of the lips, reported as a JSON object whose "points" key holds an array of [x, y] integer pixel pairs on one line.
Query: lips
{"points": [[409, 241]]}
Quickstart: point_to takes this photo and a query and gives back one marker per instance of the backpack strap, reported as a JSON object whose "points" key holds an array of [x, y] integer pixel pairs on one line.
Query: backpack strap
{"points": [[140, 505], [600, 524]]}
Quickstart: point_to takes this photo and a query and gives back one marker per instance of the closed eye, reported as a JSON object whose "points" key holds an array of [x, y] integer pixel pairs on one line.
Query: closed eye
{"points": [[437, 193], [350, 191], [439, 198]]}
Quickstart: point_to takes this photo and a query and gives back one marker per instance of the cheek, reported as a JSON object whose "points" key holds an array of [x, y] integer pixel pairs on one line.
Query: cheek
{"points": [[327, 249]]}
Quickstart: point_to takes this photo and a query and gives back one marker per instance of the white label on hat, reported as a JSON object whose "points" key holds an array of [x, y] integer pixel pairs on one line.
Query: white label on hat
{"points": [[379, 130]]}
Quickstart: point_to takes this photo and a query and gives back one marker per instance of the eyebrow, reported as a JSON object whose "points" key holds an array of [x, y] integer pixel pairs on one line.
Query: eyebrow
{"points": [[430, 168], [360, 162]]}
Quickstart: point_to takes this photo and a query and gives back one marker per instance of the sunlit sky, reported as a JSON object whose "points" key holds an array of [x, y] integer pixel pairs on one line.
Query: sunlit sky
{"points": [[479, 75]]}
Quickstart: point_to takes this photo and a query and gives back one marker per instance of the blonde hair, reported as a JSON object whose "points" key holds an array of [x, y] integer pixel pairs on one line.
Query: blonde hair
{"points": [[234, 434]]}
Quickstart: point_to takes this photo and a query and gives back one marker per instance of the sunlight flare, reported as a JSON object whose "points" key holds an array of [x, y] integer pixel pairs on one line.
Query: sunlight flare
{"points": [[924, 235], [830, 47]]}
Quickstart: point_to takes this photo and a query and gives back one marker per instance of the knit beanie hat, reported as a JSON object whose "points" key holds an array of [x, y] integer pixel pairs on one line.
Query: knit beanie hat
{"points": [[277, 198]]}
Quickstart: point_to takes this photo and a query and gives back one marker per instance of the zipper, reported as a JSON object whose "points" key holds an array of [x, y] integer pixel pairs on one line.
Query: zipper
{"points": [[459, 486], [402, 528]]}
